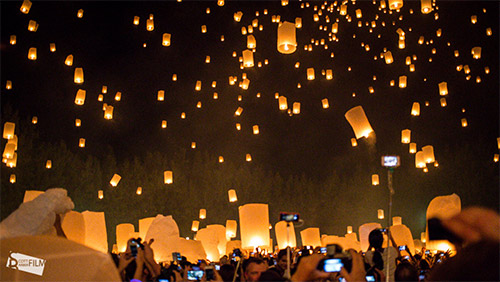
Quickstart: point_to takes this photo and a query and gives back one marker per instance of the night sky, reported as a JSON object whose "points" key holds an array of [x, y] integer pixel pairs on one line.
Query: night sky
{"points": [[127, 58]]}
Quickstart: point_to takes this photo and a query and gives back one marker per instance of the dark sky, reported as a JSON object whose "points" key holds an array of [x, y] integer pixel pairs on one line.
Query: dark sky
{"points": [[109, 48]]}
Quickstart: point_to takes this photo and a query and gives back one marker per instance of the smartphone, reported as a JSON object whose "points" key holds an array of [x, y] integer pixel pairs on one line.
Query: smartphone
{"points": [[332, 265], [427, 252], [421, 277], [195, 275], [370, 278], [133, 248], [163, 280], [217, 267], [322, 250], [402, 248], [176, 256], [289, 217], [209, 273]]}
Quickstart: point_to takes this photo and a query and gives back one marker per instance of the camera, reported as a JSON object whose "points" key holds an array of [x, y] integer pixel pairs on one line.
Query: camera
{"points": [[209, 273], [134, 244], [176, 257], [289, 217], [402, 248], [195, 275], [390, 161], [335, 259]]}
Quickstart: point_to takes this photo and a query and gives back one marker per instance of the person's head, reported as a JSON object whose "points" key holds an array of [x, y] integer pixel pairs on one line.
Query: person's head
{"points": [[270, 275], [376, 238], [252, 268], [226, 272], [405, 271], [282, 260]]}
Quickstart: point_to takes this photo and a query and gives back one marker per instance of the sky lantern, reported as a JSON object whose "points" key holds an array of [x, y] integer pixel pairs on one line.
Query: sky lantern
{"points": [[248, 157], [81, 143], [13, 141], [380, 214], [168, 177], [310, 237], [161, 95], [405, 136], [12, 178], [48, 164], [238, 111], [34, 120], [198, 85], [150, 24], [231, 228], [443, 102], [166, 39], [25, 7], [359, 122], [488, 31], [32, 26], [78, 75], [251, 42], [397, 220], [232, 195], [413, 148], [9, 151], [115, 179], [8, 130], [13, 161], [375, 180], [498, 142], [100, 98], [415, 109], [325, 104], [402, 81], [237, 16], [395, 4], [349, 229], [163, 124], [495, 158], [136, 20], [220, 3], [255, 129], [473, 19], [69, 60], [425, 6], [282, 103], [388, 57], [238, 126], [359, 14], [420, 160], [310, 73], [329, 74], [343, 10], [13, 40], [118, 96], [78, 122], [245, 83], [287, 42], [354, 142], [100, 194], [221, 159], [32, 53], [335, 27], [464, 122], [254, 225], [298, 22], [195, 225], [123, 232], [476, 52], [108, 113], [428, 154], [80, 97], [52, 47], [248, 58], [203, 213], [296, 108], [79, 14]]}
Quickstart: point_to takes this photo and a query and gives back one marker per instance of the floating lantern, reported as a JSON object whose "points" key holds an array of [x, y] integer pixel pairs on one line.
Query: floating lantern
{"points": [[405, 136], [136, 20], [425, 6], [375, 180], [198, 105], [193, 145], [310, 74], [329, 74], [443, 102], [335, 27], [248, 58], [78, 122], [412, 67], [298, 22], [13, 141], [25, 7], [421, 40], [79, 14], [123, 233], [402, 81], [168, 177], [32, 53], [232, 195], [69, 61], [325, 104], [8, 130], [100, 98], [166, 39], [150, 24], [231, 228], [354, 142], [238, 126], [248, 157], [81, 143], [245, 83], [395, 4], [359, 122], [388, 57], [401, 44], [34, 120], [161, 95], [139, 191], [349, 229], [282, 103], [296, 108], [52, 47], [464, 122], [439, 32], [108, 113], [476, 52], [237, 16], [498, 142], [203, 213], [397, 220], [413, 148], [428, 154], [12, 162], [419, 160], [238, 111], [220, 3], [310, 237], [100, 194], [198, 85], [48, 164], [359, 14], [254, 225], [80, 97], [221, 159], [287, 43], [415, 109], [8, 85], [195, 225], [78, 75], [255, 129], [285, 238], [380, 214], [473, 19], [207, 59], [251, 42], [12, 178], [13, 40], [32, 26], [495, 158], [9, 151], [115, 180], [488, 31], [163, 124]]}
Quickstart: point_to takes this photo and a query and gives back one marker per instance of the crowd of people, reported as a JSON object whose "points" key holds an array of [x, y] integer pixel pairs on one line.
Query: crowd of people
{"points": [[476, 259]]}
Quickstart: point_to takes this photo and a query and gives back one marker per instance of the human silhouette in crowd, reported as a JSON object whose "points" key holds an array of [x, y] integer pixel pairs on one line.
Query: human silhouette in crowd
{"points": [[281, 263], [376, 256]]}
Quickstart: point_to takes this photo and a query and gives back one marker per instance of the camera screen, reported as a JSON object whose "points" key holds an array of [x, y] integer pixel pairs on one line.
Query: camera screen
{"points": [[370, 278], [289, 217], [401, 248], [323, 250], [195, 274], [390, 161], [332, 265]]}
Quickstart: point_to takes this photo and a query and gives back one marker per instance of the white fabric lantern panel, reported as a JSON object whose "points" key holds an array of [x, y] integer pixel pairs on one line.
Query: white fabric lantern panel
{"points": [[123, 233], [231, 229], [220, 232], [359, 122], [287, 42], [280, 230], [402, 236], [442, 207], [254, 225], [209, 240], [165, 231], [144, 224], [73, 225], [310, 237], [364, 231], [95, 231]]}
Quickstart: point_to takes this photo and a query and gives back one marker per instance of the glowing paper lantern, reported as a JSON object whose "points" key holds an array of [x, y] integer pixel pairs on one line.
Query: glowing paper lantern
{"points": [[69, 60], [25, 7], [420, 160], [238, 111], [220, 3], [354, 142], [12, 178], [32, 26], [108, 112], [476, 52], [95, 231], [195, 225], [32, 53], [52, 47], [144, 224], [13, 40], [310, 237], [428, 154], [248, 59], [415, 109], [78, 75], [442, 207], [413, 148], [231, 228], [255, 129], [296, 108], [349, 229], [161, 95], [203, 213], [395, 4], [359, 122], [388, 57], [168, 177], [375, 180], [13, 141], [443, 88], [237, 16], [115, 179], [136, 20], [281, 235], [283, 105], [254, 225], [402, 236], [310, 74], [100, 194], [298, 22], [425, 6], [34, 120], [221, 159], [232, 196], [464, 122], [405, 136], [150, 24], [123, 232], [48, 164], [80, 97], [287, 43], [380, 214], [9, 151], [8, 130], [163, 124], [402, 81], [473, 19], [248, 157], [209, 240], [251, 43], [166, 39], [397, 220], [325, 104], [364, 231], [81, 143]]}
